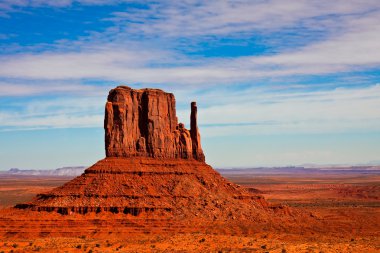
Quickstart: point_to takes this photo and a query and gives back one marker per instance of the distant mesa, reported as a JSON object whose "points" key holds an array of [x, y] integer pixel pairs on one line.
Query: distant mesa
{"points": [[63, 172], [153, 165]]}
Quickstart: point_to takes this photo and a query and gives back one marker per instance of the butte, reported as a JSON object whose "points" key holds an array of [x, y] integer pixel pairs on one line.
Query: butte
{"points": [[154, 167]]}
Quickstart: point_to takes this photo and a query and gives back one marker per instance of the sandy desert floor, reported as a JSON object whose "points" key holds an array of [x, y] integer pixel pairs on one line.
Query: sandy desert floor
{"points": [[349, 205]]}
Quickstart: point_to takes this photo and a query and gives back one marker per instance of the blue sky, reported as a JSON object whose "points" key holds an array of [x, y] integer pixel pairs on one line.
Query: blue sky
{"points": [[277, 82]]}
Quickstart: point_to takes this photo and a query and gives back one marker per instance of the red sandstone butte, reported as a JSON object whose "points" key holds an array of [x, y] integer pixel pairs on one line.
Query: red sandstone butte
{"points": [[153, 165], [144, 123]]}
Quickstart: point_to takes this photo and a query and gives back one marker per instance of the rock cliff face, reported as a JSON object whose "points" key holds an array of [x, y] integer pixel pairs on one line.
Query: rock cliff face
{"points": [[144, 123]]}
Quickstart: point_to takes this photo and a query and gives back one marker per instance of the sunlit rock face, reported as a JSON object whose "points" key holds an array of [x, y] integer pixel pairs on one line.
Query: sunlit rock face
{"points": [[144, 123]]}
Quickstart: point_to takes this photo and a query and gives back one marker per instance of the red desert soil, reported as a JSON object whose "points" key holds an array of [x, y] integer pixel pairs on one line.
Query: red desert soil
{"points": [[16, 189], [351, 222]]}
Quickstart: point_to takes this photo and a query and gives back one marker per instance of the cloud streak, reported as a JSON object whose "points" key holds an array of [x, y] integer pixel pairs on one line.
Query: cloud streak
{"points": [[349, 43], [127, 52], [249, 112], [195, 18], [338, 111]]}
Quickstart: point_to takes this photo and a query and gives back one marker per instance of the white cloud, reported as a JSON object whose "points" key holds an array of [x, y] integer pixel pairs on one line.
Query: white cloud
{"points": [[58, 121], [54, 113], [339, 110], [247, 112], [350, 43], [194, 18], [357, 46], [8, 4], [350, 52], [16, 89]]}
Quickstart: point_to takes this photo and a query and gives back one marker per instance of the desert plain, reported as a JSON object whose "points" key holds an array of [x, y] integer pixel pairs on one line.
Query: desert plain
{"points": [[343, 210]]}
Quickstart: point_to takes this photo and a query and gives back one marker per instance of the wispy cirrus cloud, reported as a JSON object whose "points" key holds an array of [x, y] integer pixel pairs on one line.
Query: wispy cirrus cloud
{"points": [[194, 17], [141, 46], [20, 89], [250, 112], [335, 111], [349, 43], [54, 112], [9, 6], [352, 51]]}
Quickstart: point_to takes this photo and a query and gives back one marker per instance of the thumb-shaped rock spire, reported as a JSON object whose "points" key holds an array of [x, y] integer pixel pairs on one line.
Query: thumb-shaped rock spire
{"points": [[194, 133]]}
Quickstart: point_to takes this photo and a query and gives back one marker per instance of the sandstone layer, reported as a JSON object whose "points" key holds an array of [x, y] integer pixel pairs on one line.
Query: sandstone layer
{"points": [[168, 187]]}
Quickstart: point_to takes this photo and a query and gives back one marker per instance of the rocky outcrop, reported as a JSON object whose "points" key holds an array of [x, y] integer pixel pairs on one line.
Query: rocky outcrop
{"points": [[144, 123], [154, 165]]}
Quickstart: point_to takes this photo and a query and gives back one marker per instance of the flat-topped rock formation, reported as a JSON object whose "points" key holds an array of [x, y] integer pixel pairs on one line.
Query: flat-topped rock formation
{"points": [[153, 164], [144, 123]]}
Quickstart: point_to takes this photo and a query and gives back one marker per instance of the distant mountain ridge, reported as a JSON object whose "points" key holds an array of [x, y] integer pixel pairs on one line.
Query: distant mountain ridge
{"points": [[367, 169], [74, 171], [64, 171]]}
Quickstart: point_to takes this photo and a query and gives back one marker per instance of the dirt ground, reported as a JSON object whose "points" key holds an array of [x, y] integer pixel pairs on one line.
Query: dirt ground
{"points": [[20, 189], [349, 205]]}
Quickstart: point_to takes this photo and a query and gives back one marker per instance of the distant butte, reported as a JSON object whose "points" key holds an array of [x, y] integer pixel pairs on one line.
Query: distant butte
{"points": [[153, 165]]}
